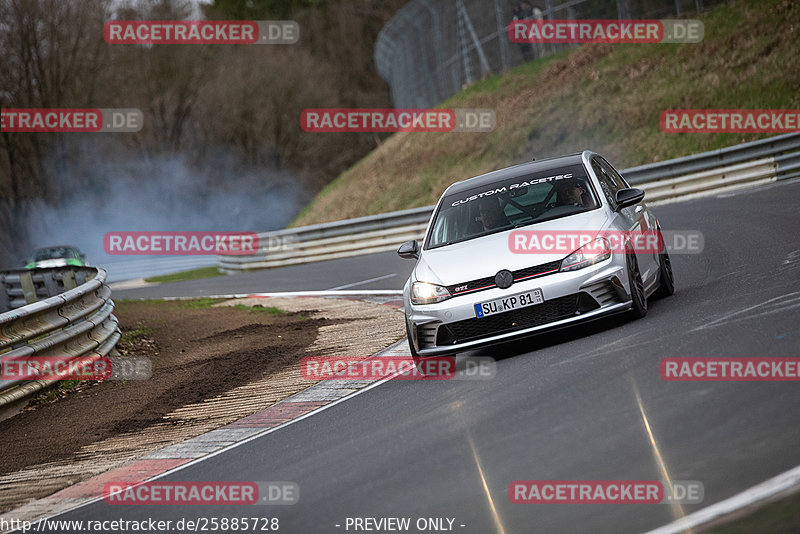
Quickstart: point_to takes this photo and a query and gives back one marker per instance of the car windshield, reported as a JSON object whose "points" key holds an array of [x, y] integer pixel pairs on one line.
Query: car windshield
{"points": [[512, 203], [54, 253]]}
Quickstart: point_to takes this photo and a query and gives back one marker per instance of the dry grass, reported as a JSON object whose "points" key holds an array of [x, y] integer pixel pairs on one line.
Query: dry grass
{"points": [[601, 97]]}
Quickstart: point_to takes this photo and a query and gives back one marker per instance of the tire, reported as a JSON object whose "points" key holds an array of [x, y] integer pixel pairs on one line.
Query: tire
{"points": [[666, 279], [638, 296], [414, 355]]}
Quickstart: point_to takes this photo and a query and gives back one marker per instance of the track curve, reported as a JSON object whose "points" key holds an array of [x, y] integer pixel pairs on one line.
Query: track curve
{"points": [[575, 404]]}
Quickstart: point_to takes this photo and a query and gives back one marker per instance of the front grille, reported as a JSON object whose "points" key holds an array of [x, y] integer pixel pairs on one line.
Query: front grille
{"points": [[537, 270], [482, 284], [530, 316]]}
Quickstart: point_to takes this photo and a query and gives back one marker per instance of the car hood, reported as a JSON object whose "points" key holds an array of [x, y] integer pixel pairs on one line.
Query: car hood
{"points": [[484, 256]]}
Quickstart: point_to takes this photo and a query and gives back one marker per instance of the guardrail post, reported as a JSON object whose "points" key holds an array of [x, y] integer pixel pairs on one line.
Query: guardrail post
{"points": [[51, 284], [5, 302], [28, 289], [68, 278]]}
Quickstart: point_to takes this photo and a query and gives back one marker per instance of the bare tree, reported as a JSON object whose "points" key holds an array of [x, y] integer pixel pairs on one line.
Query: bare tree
{"points": [[53, 53]]}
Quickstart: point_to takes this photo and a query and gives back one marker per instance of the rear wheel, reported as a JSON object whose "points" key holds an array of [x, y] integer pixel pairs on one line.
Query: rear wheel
{"points": [[666, 280], [638, 296]]}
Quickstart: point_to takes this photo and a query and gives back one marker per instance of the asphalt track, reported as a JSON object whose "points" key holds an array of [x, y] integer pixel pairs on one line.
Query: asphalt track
{"points": [[357, 272], [572, 405]]}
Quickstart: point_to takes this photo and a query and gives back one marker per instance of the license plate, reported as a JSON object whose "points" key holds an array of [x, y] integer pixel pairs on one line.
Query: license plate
{"points": [[491, 307]]}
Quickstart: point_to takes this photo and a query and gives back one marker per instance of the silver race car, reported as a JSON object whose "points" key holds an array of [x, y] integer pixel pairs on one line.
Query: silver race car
{"points": [[530, 248]]}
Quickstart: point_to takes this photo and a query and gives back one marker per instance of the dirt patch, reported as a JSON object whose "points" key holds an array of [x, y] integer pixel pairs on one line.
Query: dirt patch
{"points": [[197, 354], [97, 427]]}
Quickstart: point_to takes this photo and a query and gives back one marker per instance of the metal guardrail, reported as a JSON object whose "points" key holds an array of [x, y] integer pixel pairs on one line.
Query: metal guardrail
{"points": [[766, 160], [327, 241], [53, 312], [705, 161]]}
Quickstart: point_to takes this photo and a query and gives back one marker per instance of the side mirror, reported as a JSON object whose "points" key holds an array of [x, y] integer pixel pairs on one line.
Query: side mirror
{"points": [[409, 250], [629, 197]]}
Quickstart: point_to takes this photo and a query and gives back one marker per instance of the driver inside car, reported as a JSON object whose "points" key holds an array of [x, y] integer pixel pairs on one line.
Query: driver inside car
{"points": [[491, 214], [573, 194]]}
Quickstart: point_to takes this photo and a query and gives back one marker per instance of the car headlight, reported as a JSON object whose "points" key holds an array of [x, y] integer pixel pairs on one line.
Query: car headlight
{"points": [[589, 254], [426, 293]]}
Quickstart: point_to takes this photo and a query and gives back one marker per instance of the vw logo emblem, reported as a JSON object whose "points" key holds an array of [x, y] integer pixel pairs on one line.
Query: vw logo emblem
{"points": [[504, 279]]}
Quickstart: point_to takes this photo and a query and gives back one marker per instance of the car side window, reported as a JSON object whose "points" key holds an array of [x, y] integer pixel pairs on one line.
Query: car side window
{"points": [[614, 175], [607, 184]]}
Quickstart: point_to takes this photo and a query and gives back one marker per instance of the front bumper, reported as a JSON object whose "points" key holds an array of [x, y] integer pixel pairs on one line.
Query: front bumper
{"points": [[451, 326]]}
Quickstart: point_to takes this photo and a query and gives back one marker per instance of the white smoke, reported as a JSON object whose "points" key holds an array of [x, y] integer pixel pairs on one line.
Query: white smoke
{"points": [[162, 193]]}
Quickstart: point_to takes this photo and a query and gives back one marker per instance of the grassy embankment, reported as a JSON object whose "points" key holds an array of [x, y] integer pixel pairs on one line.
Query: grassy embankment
{"points": [[602, 97]]}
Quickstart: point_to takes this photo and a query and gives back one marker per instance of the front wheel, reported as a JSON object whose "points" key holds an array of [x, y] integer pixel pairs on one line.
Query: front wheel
{"points": [[666, 280], [638, 296], [411, 348], [415, 357]]}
